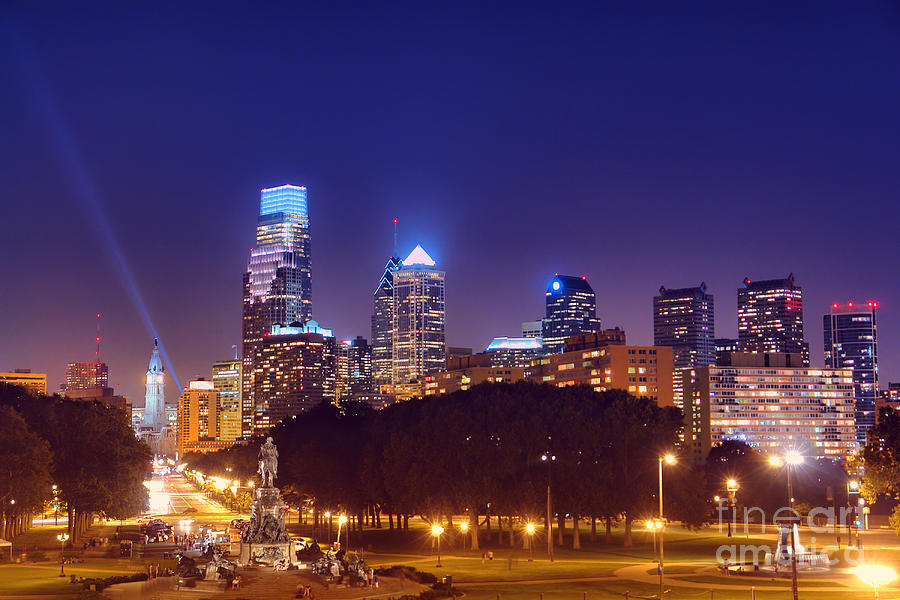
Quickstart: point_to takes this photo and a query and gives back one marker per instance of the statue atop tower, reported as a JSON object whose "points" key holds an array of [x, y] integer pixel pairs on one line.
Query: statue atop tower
{"points": [[155, 395]]}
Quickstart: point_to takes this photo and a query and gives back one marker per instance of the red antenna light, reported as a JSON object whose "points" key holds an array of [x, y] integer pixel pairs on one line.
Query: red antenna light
{"points": [[584, 277], [556, 274], [835, 305], [850, 304], [395, 221]]}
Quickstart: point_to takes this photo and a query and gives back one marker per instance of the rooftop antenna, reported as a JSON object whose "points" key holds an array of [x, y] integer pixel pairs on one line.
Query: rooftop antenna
{"points": [[97, 352], [395, 237]]}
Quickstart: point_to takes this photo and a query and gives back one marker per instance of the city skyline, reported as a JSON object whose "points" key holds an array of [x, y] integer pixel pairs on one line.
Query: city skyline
{"points": [[502, 194]]}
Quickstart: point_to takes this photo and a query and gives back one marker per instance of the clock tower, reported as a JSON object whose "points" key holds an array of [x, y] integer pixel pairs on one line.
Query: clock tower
{"points": [[155, 396]]}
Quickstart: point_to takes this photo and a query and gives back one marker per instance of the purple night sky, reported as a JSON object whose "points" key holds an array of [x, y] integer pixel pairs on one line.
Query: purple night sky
{"points": [[639, 144]]}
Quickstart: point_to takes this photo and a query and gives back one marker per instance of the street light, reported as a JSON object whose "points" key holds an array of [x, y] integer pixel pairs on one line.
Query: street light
{"points": [[464, 530], [63, 538], [328, 524], [436, 531], [549, 458], [875, 575], [852, 488], [791, 459], [732, 487], [529, 529], [669, 459], [341, 521]]}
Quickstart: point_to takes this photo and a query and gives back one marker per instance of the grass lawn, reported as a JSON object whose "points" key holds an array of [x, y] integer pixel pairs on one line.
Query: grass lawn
{"points": [[43, 577]]}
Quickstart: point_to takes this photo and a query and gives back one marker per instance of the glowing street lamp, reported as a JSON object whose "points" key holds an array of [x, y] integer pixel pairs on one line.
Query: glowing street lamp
{"points": [[341, 521], [529, 529], [328, 524], [791, 459], [436, 531], [464, 530], [549, 458], [669, 459], [63, 538], [732, 486], [875, 575]]}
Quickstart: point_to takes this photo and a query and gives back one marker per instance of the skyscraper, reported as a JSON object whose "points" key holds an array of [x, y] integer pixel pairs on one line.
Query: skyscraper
{"points": [[278, 280], [418, 345], [683, 319], [226, 378], [770, 317], [155, 392], [383, 324], [360, 366], [198, 414], [851, 341], [571, 310], [86, 375]]}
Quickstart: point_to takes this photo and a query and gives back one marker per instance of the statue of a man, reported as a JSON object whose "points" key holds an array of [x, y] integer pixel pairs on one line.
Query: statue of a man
{"points": [[268, 463]]}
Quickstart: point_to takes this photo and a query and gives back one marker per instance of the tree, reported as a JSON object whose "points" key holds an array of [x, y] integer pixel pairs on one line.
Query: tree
{"points": [[24, 473]]}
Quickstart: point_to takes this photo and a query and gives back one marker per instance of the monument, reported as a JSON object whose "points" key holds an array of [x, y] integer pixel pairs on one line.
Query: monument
{"points": [[265, 540]]}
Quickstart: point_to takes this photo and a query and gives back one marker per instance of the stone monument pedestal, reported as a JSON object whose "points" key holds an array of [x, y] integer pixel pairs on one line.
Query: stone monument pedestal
{"points": [[266, 540]]}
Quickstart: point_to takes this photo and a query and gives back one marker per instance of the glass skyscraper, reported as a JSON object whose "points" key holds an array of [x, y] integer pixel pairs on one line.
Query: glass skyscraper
{"points": [[571, 310], [851, 341], [770, 317], [383, 324], [418, 345], [278, 280], [226, 378]]}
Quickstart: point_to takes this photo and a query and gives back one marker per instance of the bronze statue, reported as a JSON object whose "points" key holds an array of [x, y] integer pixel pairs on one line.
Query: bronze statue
{"points": [[268, 463]]}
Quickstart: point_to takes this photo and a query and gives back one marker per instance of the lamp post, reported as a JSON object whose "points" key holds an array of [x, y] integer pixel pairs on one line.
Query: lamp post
{"points": [[63, 538], [464, 530], [328, 524], [549, 458], [875, 575], [732, 486], [529, 529], [669, 459], [852, 488], [436, 531], [790, 460], [342, 520]]}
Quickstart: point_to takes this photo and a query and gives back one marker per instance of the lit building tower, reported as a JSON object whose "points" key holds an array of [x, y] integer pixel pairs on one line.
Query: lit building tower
{"points": [[851, 341], [770, 317], [278, 280], [418, 345], [155, 392], [360, 366], [226, 379], [86, 376], [683, 319], [571, 310], [198, 414], [383, 319]]}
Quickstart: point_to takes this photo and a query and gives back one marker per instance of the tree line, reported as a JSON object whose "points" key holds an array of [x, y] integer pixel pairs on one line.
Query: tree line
{"points": [[89, 451], [479, 453]]}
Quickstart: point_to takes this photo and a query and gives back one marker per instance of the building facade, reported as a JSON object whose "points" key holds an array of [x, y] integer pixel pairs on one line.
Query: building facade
{"points": [[449, 381], [571, 309], [277, 286], [640, 370], [85, 376], [726, 346], [418, 343], [36, 383], [198, 414], [771, 402], [851, 341], [383, 324], [514, 351], [155, 392], [226, 379], [770, 317]]}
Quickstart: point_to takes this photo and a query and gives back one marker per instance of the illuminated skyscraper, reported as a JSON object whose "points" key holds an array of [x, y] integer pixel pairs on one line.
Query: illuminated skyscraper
{"points": [[383, 324], [86, 375], [418, 345], [198, 414], [851, 341], [770, 317], [683, 319], [226, 378], [155, 392], [278, 281], [571, 310]]}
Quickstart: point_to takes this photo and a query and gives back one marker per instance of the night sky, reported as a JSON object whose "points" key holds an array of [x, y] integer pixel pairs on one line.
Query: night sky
{"points": [[637, 143]]}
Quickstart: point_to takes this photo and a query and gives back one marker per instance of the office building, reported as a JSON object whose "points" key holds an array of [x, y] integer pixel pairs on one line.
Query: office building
{"points": [[104, 395], [418, 344], [596, 339], [198, 414], [514, 351], [383, 323], [683, 320], [571, 309], [640, 370], [771, 402], [889, 398], [277, 286], [726, 346], [293, 370], [155, 392], [851, 341], [770, 317], [36, 383], [85, 376], [532, 329], [226, 379], [454, 380], [359, 367]]}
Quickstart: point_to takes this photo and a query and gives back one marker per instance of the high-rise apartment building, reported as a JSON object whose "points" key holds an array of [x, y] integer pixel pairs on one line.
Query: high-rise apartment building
{"points": [[571, 310], [36, 383], [418, 344], [226, 379], [293, 370], [383, 323], [851, 341], [771, 402], [85, 376], [278, 280], [770, 317], [683, 319], [155, 392], [359, 367], [198, 414]]}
